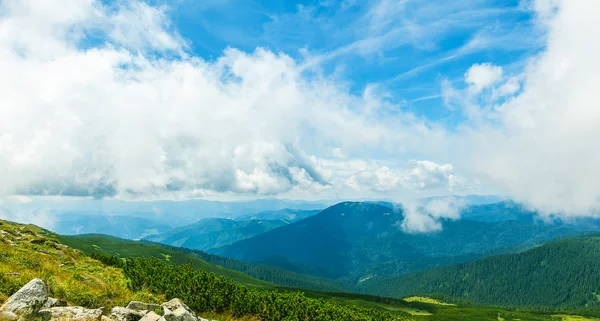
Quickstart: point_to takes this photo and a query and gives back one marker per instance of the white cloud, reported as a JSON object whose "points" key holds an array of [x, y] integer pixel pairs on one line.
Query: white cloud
{"points": [[92, 105], [38, 217], [539, 147], [427, 216], [413, 177], [510, 87], [482, 76]]}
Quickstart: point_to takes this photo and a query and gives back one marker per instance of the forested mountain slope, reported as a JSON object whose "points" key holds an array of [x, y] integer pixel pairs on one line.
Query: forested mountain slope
{"points": [[357, 239], [562, 274]]}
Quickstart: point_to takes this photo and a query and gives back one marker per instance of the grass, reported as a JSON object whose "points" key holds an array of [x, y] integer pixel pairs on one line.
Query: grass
{"points": [[26, 252], [563, 317], [426, 300]]}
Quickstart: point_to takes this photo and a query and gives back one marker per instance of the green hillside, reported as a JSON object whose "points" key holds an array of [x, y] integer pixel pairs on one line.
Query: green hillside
{"points": [[108, 245], [561, 274], [254, 275]]}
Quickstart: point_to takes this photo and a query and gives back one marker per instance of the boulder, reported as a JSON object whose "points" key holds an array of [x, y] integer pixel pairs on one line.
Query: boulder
{"points": [[28, 300], [71, 313], [52, 302], [151, 316], [175, 304], [125, 314], [142, 306], [176, 310], [179, 314]]}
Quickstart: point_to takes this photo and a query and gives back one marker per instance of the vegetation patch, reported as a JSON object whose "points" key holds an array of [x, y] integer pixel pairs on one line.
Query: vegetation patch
{"points": [[426, 300]]}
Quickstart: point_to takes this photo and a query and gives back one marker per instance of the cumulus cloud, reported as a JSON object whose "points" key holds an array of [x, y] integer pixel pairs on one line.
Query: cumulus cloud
{"points": [[105, 101], [481, 76], [539, 146], [415, 175], [426, 216]]}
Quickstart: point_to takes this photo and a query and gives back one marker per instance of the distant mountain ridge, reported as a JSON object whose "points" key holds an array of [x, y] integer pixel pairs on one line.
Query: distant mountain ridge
{"points": [[121, 226], [361, 238], [286, 214], [211, 233]]}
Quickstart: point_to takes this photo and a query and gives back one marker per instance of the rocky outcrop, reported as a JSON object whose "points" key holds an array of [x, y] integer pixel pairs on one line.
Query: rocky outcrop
{"points": [[31, 302], [71, 313], [125, 314], [27, 301]]}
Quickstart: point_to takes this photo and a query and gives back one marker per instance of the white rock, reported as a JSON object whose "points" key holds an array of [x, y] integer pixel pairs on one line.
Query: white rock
{"points": [[28, 300], [151, 316], [71, 313], [125, 314], [180, 314]]}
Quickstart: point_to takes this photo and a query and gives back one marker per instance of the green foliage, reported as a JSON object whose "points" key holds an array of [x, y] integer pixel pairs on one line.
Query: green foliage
{"points": [[265, 272], [204, 291], [564, 274]]}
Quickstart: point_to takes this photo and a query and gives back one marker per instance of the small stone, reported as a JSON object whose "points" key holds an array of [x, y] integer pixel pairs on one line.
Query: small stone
{"points": [[38, 241]]}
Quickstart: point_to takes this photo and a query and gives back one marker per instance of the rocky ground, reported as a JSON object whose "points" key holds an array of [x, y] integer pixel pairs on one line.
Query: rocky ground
{"points": [[31, 302]]}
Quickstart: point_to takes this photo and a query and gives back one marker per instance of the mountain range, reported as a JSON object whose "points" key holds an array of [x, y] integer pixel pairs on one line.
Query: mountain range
{"points": [[361, 240], [210, 233]]}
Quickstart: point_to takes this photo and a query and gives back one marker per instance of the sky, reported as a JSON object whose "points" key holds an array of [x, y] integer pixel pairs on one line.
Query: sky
{"points": [[231, 99]]}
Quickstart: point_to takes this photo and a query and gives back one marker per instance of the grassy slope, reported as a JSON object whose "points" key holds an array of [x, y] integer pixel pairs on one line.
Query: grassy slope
{"points": [[89, 243], [26, 252]]}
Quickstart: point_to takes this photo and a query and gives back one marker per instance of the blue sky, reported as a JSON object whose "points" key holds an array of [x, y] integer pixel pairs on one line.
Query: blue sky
{"points": [[405, 48]]}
